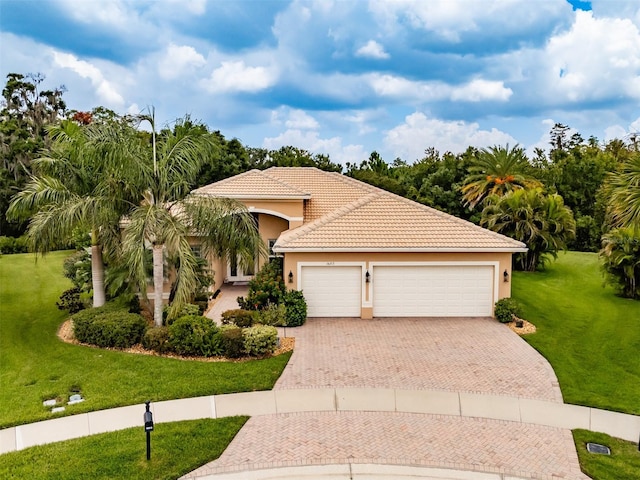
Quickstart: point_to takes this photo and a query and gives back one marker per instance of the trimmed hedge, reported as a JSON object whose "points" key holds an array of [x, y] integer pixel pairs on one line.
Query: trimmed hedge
{"points": [[505, 309], [275, 315], [157, 339], [108, 328], [239, 317], [260, 340], [296, 308], [232, 341], [194, 335], [13, 245]]}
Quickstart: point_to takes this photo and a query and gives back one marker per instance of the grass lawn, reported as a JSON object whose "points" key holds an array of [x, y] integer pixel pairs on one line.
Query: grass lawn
{"points": [[590, 336], [176, 449], [624, 461], [35, 365]]}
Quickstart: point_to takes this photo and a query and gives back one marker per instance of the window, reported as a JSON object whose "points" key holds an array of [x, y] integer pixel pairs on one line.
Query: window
{"points": [[272, 242]]}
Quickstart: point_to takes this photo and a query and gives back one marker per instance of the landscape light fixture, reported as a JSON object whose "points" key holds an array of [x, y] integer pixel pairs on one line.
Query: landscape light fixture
{"points": [[290, 276], [505, 275], [148, 427]]}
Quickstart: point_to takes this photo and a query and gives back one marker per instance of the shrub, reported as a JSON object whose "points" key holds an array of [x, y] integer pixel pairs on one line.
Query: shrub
{"points": [[70, 301], [13, 245], [108, 328], [77, 268], [260, 340], [265, 288], [275, 315], [194, 335], [620, 255], [239, 317], [505, 309], [157, 339], [296, 308], [187, 310], [232, 341]]}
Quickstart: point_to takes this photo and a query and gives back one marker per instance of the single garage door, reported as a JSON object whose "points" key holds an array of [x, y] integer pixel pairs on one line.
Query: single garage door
{"points": [[332, 291], [432, 291]]}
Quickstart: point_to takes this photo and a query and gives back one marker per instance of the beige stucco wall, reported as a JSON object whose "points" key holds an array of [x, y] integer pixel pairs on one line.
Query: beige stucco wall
{"points": [[291, 210], [291, 260], [270, 227]]}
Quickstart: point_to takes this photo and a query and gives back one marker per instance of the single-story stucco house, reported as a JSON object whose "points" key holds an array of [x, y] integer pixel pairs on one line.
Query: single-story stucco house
{"points": [[358, 251]]}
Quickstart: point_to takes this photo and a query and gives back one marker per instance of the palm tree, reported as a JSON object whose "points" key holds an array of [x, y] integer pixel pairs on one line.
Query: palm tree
{"points": [[539, 220], [70, 193], [621, 255], [623, 189], [497, 171], [166, 215]]}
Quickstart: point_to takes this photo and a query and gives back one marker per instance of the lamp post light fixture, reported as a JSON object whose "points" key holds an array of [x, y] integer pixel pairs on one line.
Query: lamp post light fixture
{"points": [[148, 427]]}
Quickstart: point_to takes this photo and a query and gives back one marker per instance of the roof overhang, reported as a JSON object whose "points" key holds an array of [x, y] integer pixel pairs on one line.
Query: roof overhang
{"points": [[400, 250], [259, 197]]}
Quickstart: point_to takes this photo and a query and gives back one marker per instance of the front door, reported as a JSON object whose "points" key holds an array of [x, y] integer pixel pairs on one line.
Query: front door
{"points": [[235, 272]]}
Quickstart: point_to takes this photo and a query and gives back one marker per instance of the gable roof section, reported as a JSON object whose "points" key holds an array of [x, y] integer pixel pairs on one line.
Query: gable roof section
{"points": [[253, 184], [382, 221]]}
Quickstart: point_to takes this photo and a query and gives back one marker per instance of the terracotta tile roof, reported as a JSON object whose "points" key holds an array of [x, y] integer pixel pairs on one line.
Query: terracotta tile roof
{"points": [[252, 184], [342, 213]]}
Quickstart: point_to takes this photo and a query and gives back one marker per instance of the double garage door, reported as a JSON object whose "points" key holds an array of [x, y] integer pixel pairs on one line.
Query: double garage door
{"points": [[400, 290]]}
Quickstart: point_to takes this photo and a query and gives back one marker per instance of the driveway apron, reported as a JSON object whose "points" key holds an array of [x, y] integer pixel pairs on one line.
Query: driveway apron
{"points": [[475, 355]]}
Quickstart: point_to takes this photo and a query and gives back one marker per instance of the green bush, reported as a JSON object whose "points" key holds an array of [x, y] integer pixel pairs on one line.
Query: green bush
{"points": [[239, 317], [70, 301], [195, 336], [108, 327], [505, 309], [620, 255], [13, 245], [157, 339], [275, 315], [232, 341], [260, 340], [296, 308], [77, 268], [267, 287]]}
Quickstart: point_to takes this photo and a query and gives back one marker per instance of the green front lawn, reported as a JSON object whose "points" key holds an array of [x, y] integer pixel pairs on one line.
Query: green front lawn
{"points": [[176, 449], [623, 463], [590, 336], [35, 365]]}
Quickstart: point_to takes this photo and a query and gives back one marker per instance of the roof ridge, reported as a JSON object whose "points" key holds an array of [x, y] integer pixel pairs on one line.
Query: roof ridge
{"points": [[329, 217], [226, 180], [282, 182]]}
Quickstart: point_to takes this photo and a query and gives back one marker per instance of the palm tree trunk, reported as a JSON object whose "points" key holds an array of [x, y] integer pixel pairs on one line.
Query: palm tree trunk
{"points": [[97, 272], [158, 283]]}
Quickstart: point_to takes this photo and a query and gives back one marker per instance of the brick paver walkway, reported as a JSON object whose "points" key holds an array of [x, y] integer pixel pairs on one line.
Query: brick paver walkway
{"points": [[482, 445], [476, 355]]}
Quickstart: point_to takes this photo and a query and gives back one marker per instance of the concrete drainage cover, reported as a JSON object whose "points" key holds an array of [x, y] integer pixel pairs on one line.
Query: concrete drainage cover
{"points": [[597, 448]]}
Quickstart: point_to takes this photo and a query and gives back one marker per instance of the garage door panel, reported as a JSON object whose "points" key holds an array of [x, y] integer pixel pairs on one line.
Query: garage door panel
{"points": [[442, 290], [332, 291]]}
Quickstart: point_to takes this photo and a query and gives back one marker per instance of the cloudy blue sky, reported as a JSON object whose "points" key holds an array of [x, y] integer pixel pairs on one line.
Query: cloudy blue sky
{"points": [[343, 77]]}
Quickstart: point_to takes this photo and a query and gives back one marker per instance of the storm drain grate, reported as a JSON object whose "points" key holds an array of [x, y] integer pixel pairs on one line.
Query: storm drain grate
{"points": [[597, 448]]}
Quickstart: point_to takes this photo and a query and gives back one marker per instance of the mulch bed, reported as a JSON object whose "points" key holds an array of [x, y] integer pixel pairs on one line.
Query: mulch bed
{"points": [[527, 327], [65, 333]]}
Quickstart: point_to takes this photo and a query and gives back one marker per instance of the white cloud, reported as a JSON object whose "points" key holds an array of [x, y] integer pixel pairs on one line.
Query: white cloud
{"points": [[372, 49], [311, 141], [300, 120], [410, 139], [481, 90], [618, 131], [235, 76], [106, 92], [178, 60]]}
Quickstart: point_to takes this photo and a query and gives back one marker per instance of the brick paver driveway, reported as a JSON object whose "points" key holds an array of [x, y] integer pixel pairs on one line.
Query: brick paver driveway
{"points": [[460, 354]]}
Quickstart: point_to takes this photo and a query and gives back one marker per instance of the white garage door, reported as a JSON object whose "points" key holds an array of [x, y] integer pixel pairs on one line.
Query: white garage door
{"points": [[332, 291], [432, 291]]}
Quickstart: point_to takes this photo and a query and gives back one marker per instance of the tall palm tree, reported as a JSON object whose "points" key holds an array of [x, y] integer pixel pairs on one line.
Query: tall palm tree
{"points": [[497, 171], [167, 215], [70, 191], [539, 220], [623, 189], [621, 255]]}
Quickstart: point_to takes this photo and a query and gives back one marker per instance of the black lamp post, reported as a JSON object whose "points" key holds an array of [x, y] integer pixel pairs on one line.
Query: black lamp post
{"points": [[148, 427]]}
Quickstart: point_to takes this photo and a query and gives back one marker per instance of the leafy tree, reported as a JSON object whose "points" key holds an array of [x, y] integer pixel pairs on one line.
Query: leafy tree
{"points": [[70, 191], [539, 220], [621, 255], [622, 189], [289, 156], [167, 214], [25, 114], [497, 171]]}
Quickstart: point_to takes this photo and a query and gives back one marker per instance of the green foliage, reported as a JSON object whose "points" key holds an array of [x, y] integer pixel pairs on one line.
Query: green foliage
{"points": [[238, 317], [267, 287], [623, 193], [623, 463], [260, 340], [157, 339], [272, 314], [77, 268], [505, 309], [13, 245], [110, 328], [539, 220], [187, 309], [71, 301], [296, 308], [621, 260], [232, 341], [194, 335]]}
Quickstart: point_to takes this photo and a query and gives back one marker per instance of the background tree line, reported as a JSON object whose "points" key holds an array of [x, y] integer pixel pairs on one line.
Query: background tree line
{"points": [[579, 194]]}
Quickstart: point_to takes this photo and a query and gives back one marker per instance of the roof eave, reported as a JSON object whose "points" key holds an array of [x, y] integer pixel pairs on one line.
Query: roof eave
{"points": [[258, 197], [403, 249]]}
